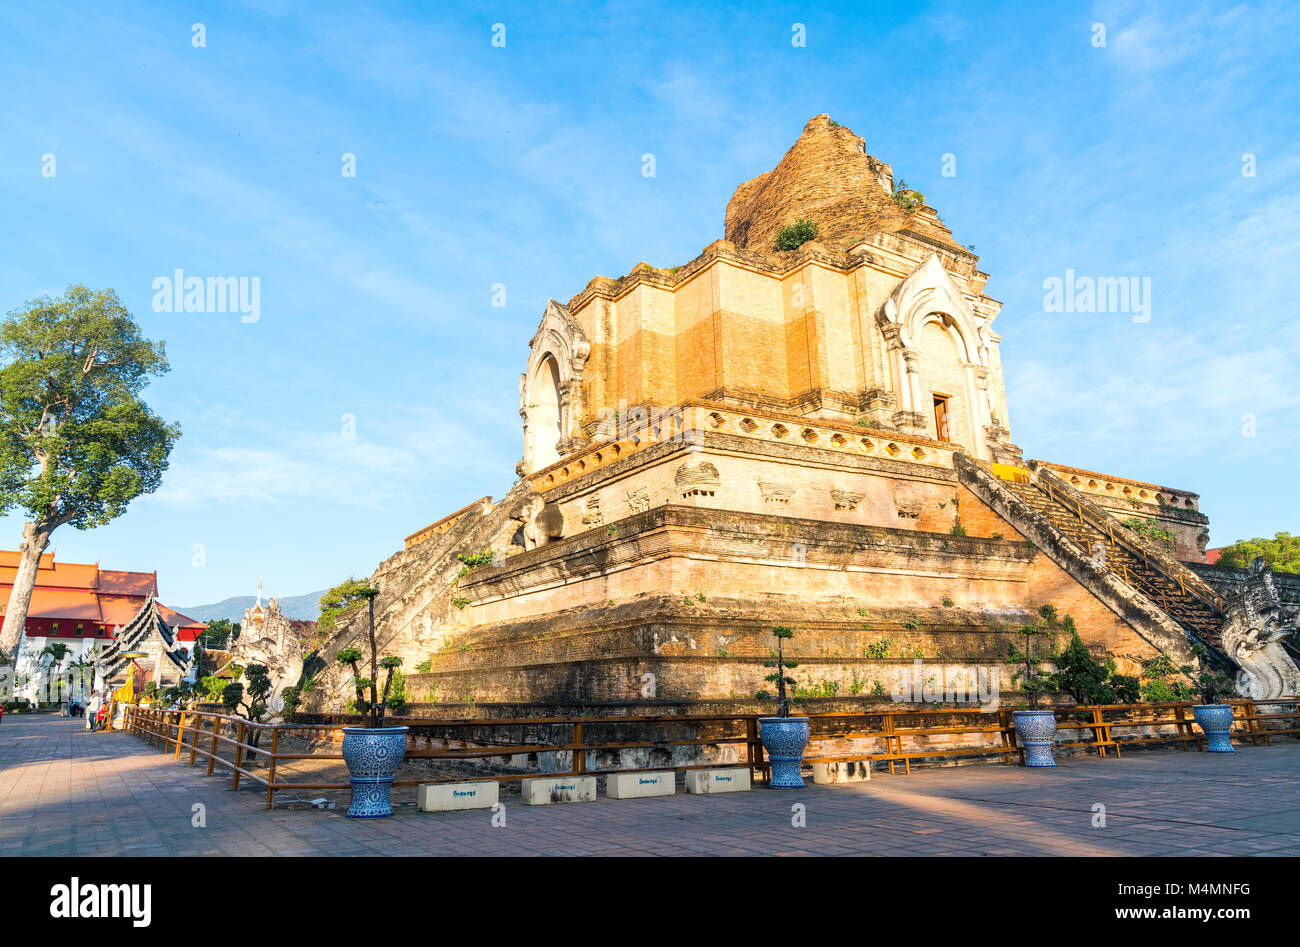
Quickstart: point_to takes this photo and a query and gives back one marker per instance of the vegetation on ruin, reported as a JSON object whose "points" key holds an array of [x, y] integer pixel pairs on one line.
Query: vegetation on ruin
{"points": [[1151, 529], [906, 198], [878, 649], [1282, 553], [795, 235], [77, 442], [474, 560]]}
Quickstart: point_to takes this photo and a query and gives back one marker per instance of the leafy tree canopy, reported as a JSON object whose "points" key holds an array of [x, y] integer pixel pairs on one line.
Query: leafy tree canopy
{"points": [[1282, 553], [77, 444], [343, 598]]}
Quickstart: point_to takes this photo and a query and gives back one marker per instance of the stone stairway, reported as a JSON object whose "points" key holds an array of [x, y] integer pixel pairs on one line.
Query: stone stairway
{"points": [[1160, 579]]}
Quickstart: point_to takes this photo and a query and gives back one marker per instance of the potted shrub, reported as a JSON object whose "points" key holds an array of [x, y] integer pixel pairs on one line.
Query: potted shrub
{"points": [[372, 751], [1035, 726], [783, 736], [1213, 717]]}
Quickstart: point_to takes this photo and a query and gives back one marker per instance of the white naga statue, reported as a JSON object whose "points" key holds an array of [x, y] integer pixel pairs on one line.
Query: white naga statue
{"points": [[266, 637], [1256, 622]]}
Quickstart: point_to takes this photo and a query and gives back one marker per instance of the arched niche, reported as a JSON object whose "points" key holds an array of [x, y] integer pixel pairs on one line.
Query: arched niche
{"points": [[544, 418], [550, 390]]}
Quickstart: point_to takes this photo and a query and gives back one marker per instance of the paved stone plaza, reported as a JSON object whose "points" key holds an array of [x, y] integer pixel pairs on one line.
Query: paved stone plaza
{"points": [[67, 792]]}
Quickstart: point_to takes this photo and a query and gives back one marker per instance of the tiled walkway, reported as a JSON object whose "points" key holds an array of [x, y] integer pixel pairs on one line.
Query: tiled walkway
{"points": [[67, 792]]}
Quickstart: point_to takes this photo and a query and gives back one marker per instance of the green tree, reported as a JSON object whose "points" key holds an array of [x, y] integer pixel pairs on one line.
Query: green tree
{"points": [[343, 598], [77, 443], [1087, 680], [58, 652], [1282, 553]]}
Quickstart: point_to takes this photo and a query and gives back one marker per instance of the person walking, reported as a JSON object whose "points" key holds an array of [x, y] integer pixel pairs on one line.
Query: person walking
{"points": [[92, 711]]}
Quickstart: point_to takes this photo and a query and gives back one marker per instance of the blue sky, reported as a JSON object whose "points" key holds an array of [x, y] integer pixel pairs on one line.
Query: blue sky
{"points": [[521, 165]]}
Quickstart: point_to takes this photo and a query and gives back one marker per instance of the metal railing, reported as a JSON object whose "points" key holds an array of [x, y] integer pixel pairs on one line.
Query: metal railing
{"points": [[1189, 585], [901, 736]]}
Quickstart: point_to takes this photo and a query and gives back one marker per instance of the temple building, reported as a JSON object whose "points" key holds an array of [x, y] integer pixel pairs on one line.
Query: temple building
{"points": [[86, 607], [816, 437]]}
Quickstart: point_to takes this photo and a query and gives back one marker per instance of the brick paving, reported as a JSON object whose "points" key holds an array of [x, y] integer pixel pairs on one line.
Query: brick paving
{"points": [[64, 791]]}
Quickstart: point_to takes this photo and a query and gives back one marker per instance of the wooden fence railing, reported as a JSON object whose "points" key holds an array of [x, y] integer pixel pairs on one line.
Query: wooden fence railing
{"points": [[901, 736]]}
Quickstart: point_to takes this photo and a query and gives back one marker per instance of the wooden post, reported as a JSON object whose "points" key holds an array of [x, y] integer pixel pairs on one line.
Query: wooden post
{"points": [[180, 736], [212, 754], [887, 728], [579, 756], [239, 755], [1007, 745], [197, 725], [270, 776]]}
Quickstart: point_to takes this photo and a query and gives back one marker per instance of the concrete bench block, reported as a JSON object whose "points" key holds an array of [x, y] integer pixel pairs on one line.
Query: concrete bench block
{"points": [[850, 771], [545, 790], [640, 785], [448, 797], [718, 780]]}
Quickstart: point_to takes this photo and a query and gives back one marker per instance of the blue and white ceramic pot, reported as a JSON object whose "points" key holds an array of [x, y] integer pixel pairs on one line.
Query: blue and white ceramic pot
{"points": [[372, 756], [784, 739], [1036, 730], [1216, 721]]}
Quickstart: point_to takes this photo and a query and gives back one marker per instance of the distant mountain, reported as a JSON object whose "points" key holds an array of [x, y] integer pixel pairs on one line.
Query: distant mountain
{"points": [[302, 607]]}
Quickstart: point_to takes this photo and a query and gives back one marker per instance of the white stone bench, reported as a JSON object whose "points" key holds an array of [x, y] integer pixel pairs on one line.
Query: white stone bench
{"points": [[847, 771], [718, 780], [640, 785], [542, 791], [448, 797]]}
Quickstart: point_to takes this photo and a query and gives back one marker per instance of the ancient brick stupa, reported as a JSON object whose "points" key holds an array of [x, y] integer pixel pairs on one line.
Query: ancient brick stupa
{"points": [[815, 437]]}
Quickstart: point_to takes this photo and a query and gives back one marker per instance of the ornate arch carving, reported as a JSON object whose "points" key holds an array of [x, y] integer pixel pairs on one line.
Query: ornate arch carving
{"points": [[560, 337]]}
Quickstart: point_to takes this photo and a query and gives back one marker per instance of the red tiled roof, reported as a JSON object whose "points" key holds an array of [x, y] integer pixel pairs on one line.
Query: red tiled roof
{"points": [[80, 599], [1212, 555]]}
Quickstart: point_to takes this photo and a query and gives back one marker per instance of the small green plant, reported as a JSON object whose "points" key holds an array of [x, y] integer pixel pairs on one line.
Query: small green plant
{"points": [[878, 649], [1151, 529], [1210, 684], [877, 689], [957, 528], [947, 602], [820, 689], [369, 703], [425, 666], [1160, 684], [997, 536], [793, 236], [1030, 676], [911, 624], [862, 612], [484, 558], [778, 677], [459, 601], [906, 198]]}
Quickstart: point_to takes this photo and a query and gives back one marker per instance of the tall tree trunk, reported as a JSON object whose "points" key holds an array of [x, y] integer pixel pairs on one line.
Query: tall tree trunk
{"points": [[35, 539]]}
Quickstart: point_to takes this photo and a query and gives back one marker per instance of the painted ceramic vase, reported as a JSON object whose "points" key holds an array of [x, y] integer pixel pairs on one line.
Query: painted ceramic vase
{"points": [[1036, 730], [372, 756], [1216, 721], [784, 739]]}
